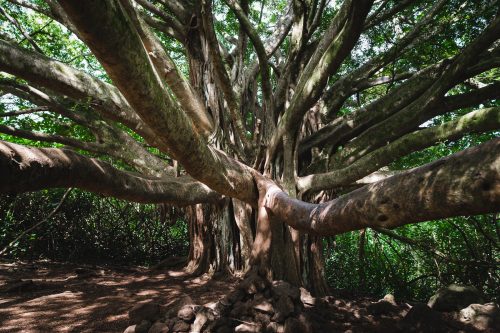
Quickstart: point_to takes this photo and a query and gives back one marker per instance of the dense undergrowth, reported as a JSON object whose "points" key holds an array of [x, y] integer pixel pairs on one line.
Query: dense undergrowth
{"points": [[457, 250], [92, 229]]}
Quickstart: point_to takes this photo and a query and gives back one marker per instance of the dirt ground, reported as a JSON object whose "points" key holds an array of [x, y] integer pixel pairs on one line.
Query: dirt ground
{"points": [[58, 297], [71, 298]]}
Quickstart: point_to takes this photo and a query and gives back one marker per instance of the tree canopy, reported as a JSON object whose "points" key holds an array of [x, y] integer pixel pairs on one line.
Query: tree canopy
{"points": [[324, 116]]}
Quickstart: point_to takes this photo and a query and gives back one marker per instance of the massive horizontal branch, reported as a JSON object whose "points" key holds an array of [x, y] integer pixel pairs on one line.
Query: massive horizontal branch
{"points": [[465, 183], [30, 169]]}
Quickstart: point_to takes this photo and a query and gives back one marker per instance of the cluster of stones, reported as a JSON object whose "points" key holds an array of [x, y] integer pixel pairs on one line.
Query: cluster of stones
{"points": [[464, 305], [257, 305]]}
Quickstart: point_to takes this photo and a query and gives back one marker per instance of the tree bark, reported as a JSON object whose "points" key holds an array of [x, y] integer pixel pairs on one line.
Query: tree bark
{"points": [[465, 183], [30, 169], [216, 245], [222, 119]]}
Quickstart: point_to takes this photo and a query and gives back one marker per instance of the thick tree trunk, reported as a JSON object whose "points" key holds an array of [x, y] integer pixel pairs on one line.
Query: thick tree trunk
{"points": [[269, 253], [215, 243], [221, 239], [283, 253]]}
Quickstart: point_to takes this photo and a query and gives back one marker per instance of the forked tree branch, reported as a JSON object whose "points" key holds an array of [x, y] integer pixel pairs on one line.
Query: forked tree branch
{"points": [[474, 122], [110, 34]]}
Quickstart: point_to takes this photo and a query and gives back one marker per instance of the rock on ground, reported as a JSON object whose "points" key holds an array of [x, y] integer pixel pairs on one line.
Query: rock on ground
{"points": [[482, 317], [455, 297]]}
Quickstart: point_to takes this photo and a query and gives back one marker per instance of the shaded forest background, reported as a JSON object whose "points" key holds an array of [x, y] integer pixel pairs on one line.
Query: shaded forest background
{"points": [[411, 263], [93, 230]]}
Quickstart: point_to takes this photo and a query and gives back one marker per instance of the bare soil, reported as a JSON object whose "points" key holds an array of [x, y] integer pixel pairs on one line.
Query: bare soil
{"points": [[71, 298], [48, 296]]}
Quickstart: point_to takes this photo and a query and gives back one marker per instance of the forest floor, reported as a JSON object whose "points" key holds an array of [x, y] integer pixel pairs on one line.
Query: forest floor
{"points": [[46, 296], [72, 298]]}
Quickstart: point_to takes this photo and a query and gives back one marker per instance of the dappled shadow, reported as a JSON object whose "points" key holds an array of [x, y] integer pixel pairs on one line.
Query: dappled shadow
{"points": [[98, 300], [70, 298]]}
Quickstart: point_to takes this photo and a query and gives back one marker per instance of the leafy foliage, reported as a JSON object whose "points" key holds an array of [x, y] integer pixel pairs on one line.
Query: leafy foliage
{"points": [[89, 229], [471, 246]]}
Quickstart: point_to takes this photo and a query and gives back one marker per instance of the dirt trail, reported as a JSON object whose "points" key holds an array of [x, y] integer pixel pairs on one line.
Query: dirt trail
{"points": [[57, 297], [69, 298]]}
